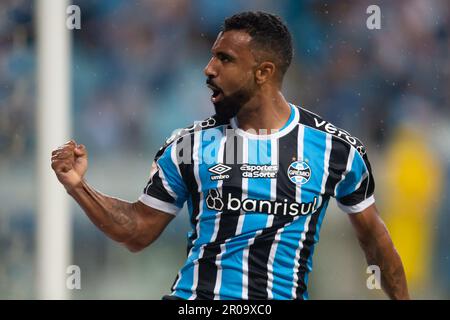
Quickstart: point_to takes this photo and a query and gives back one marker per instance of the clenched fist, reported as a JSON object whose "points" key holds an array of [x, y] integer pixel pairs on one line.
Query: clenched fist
{"points": [[70, 164]]}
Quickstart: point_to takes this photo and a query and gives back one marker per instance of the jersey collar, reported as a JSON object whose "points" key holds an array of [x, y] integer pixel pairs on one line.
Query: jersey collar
{"points": [[288, 127]]}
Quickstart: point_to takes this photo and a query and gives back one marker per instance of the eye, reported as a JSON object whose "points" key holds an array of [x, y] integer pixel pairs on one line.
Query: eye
{"points": [[223, 57]]}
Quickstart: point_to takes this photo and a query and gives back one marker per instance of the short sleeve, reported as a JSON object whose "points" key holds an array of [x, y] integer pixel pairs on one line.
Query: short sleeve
{"points": [[165, 190], [356, 191]]}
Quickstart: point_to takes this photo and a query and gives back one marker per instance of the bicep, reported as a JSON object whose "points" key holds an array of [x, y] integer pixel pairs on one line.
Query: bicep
{"points": [[153, 220], [162, 198], [151, 223], [368, 225]]}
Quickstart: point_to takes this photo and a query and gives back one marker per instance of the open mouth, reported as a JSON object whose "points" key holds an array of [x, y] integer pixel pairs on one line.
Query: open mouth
{"points": [[217, 94]]}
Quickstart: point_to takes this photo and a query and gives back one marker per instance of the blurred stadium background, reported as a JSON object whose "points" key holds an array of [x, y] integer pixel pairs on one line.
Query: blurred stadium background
{"points": [[137, 74]]}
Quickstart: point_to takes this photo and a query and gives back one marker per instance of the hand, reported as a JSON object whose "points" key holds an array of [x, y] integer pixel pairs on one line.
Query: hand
{"points": [[70, 163]]}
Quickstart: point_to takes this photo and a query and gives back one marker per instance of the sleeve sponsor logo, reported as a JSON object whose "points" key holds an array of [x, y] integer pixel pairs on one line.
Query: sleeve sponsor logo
{"points": [[153, 170], [202, 124], [198, 125]]}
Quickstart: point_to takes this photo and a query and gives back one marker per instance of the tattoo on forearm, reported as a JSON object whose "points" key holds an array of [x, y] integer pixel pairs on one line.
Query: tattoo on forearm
{"points": [[392, 273], [120, 213]]}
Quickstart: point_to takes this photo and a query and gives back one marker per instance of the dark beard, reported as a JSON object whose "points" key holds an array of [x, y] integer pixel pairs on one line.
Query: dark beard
{"points": [[230, 105]]}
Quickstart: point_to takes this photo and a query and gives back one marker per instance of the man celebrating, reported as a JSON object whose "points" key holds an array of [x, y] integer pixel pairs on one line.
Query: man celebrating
{"points": [[257, 178]]}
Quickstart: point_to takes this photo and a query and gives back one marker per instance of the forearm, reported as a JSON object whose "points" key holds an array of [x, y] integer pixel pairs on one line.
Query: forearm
{"points": [[115, 217], [382, 253]]}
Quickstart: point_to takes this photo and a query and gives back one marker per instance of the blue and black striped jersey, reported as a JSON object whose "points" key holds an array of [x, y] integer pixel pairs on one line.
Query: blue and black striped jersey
{"points": [[256, 202]]}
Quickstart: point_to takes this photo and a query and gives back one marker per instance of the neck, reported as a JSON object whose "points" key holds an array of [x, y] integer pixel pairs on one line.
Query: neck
{"points": [[268, 111]]}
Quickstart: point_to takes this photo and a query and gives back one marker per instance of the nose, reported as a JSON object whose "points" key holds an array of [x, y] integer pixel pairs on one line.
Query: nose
{"points": [[210, 71]]}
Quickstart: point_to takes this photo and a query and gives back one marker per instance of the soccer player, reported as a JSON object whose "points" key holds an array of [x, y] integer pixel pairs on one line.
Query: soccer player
{"points": [[257, 178]]}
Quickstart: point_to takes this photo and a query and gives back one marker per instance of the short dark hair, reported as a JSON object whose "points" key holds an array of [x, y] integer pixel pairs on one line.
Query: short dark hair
{"points": [[268, 33]]}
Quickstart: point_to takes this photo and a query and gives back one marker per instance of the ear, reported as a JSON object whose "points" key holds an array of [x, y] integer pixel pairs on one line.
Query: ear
{"points": [[264, 72]]}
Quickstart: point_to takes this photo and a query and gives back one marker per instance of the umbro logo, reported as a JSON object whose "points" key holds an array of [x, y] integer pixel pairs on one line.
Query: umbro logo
{"points": [[219, 170]]}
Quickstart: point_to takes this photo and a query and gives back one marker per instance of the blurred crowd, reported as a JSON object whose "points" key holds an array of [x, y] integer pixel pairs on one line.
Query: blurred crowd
{"points": [[137, 63], [137, 71]]}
